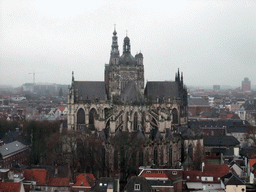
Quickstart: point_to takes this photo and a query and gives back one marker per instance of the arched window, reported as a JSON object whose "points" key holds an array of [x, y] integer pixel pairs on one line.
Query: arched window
{"points": [[161, 156], [106, 113], [135, 122], [170, 156], [92, 114], [80, 116], [141, 160], [116, 159], [190, 151], [155, 156], [175, 116]]}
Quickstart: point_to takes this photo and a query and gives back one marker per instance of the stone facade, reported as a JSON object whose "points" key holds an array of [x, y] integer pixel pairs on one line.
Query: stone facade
{"points": [[122, 103]]}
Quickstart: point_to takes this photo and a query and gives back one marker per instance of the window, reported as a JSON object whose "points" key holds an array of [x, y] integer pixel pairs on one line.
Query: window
{"points": [[174, 172], [136, 187], [197, 177], [148, 172], [160, 171], [188, 177]]}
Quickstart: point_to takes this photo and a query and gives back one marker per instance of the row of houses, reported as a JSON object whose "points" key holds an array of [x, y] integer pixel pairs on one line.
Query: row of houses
{"points": [[150, 179]]}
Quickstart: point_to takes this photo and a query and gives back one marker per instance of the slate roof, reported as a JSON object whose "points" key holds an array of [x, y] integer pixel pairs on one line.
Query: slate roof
{"points": [[220, 141], [248, 152], [38, 175], [12, 147], [144, 184], [238, 129], [216, 123], [58, 182], [105, 183], [160, 183], [232, 179], [13, 136], [90, 90], [198, 102], [10, 186], [162, 90], [131, 93]]}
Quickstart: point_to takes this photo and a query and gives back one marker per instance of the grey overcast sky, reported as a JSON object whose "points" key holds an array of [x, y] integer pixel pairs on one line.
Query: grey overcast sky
{"points": [[212, 42]]}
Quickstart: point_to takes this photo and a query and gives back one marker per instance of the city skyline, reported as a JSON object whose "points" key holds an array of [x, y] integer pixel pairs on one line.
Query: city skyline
{"points": [[211, 42]]}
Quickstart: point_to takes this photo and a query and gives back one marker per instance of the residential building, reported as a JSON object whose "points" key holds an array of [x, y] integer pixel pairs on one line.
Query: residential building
{"points": [[13, 153], [206, 179]]}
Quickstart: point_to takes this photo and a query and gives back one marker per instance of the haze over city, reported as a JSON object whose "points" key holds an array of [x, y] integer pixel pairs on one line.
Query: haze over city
{"points": [[211, 42]]}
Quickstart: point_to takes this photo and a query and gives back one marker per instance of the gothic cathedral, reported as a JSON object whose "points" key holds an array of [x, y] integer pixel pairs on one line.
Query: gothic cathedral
{"points": [[121, 103]]}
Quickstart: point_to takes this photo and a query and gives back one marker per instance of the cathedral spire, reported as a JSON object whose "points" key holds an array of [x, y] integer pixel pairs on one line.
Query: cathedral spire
{"points": [[114, 55], [114, 46], [178, 74], [127, 46]]}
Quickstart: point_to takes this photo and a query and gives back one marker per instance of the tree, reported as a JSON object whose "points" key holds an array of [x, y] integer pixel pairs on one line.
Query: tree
{"points": [[36, 133], [91, 154], [128, 147], [198, 157], [60, 92]]}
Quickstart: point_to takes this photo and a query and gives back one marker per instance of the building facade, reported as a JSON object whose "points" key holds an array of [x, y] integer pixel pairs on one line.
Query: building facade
{"points": [[122, 103], [246, 85]]}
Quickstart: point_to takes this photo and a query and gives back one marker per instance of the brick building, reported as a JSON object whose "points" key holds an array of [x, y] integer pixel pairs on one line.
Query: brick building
{"points": [[12, 154]]}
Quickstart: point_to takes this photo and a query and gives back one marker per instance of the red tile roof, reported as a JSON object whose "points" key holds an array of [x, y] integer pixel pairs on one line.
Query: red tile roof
{"points": [[38, 175], [252, 162], [59, 182], [85, 180], [154, 175], [209, 170], [61, 108], [9, 187]]}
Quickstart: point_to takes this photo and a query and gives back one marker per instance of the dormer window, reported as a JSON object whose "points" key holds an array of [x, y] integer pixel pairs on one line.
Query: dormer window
{"points": [[174, 173], [136, 187]]}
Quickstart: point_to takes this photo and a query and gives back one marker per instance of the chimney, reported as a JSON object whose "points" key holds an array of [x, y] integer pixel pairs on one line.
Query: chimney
{"points": [[56, 170], [202, 166]]}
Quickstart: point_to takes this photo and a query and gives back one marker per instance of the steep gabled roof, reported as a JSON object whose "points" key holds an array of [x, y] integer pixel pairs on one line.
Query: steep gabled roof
{"points": [[85, 180], [162, 90], [90, 90], [131, 93], [252, 162], [58, 182], [61, 108], [232, 179], [38, 175]]}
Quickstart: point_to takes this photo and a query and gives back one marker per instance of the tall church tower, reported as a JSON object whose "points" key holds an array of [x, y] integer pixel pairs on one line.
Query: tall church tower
{"points": [[125, 71]]}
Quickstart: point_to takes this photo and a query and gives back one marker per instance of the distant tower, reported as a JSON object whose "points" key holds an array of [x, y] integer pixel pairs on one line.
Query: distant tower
{"points": [[246, 85], [216, 88]]}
